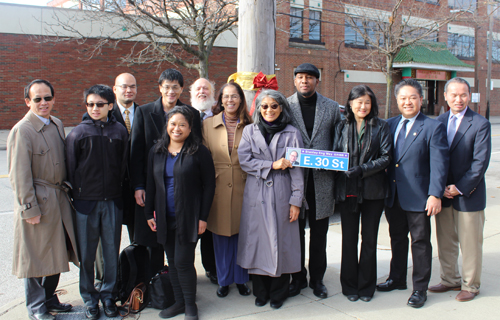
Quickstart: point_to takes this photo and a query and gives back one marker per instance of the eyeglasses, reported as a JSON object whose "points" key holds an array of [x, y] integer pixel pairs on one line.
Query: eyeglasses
{"points": [[98, 104], [233, 96], [273, 106], [36, 100], [173, 88], [125, 87]]}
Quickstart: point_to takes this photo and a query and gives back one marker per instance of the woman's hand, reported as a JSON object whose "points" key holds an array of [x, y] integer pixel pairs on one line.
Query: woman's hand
{"points": [[152, 224], [282, 164], [294, 213], [202, 226]]}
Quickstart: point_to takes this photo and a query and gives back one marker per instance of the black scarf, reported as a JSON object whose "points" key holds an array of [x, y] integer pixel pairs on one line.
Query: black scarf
{"points": [[269, 129]]}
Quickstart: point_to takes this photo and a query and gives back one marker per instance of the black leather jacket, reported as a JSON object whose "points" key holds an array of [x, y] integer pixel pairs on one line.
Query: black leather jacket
{"points": [[375, 156]]}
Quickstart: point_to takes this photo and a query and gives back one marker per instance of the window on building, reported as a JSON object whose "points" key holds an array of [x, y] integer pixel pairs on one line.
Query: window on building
{"points": [[495, 51], [461, 45], [314, 25], [295, 23], [462, 4], [372, 29], [433, 36]]}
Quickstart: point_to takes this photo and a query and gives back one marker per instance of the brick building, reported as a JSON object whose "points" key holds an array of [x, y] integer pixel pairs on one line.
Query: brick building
{"points": [[312, 31]]}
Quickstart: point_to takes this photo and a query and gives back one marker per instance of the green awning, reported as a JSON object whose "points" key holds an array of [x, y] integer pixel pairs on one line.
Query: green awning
{"points": [[430, 55]]}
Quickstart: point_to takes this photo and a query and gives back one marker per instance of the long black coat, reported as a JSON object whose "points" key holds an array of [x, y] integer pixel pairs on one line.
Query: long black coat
{"points": [[194, 189], [149, 124], [375, 156]]}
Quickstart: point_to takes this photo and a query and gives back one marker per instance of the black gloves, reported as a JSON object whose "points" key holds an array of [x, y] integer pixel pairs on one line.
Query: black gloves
{"points": [[354, 172]]}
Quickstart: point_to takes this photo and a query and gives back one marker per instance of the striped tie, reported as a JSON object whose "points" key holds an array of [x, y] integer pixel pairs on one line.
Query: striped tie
{"points": [[127, 120]]}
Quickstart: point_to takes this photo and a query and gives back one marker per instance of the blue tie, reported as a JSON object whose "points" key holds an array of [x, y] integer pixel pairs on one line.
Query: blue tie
{"points": [[401, 140], [452, 129]]}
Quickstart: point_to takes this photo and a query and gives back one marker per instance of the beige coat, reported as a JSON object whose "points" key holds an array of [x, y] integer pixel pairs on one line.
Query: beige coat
{"points": [[224, 217], [37, 168]]}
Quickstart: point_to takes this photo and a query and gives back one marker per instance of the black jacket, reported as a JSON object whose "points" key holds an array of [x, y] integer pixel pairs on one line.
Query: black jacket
{"points": [[194, 189], [375, 156], [96, 159]]}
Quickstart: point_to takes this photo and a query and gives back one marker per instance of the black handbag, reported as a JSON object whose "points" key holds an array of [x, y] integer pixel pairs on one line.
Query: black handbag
{"points": [[161, 294]]}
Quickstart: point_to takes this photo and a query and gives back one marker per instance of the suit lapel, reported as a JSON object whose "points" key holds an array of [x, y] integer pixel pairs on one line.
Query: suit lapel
{"points": [[319, 115], [462, 129], [158, 117], [413, 134], [297, 114], [118, 115], [261, 142]]}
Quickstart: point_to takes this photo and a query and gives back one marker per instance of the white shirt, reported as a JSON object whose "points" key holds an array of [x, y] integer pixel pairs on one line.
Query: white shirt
{"points": [[44, 120], [130, 115], [459, 116], [410, 123]]}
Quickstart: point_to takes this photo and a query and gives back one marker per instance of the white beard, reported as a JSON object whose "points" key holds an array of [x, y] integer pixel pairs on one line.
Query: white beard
{"points": [[203, 105]]}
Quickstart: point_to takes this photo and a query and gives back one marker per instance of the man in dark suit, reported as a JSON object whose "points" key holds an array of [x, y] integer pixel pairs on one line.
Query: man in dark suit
{"points": [[417, 177], [316, 117], [461, 222], [149, 125]]}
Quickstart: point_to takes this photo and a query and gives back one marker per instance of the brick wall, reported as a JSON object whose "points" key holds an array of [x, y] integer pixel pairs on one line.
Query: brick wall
{"points": [[23, 60]]}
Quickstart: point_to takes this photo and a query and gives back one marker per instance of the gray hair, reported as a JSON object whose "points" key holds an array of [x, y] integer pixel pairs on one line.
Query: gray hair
{"points": [[212, 85], [279, 98], [456, 80]]}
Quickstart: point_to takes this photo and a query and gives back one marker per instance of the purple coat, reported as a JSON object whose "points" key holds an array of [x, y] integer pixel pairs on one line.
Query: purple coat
{"points": [[268, 243]]}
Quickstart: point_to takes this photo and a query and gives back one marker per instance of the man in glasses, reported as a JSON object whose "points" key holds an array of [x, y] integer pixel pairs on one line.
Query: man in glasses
{"points": [[44, 238], [149, 125], [316, 117], [97, 153]]}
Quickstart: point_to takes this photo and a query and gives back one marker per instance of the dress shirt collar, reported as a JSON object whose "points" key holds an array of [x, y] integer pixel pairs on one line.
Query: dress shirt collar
{"points": [[44, 120], [459, 115]]}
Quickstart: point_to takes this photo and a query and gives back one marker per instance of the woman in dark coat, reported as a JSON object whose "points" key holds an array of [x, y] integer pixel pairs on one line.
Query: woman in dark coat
{"points": [[180, 188], [269, 243], [361, 190]]}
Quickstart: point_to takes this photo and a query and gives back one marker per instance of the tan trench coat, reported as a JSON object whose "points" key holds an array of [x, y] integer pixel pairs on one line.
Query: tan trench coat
{"points": [[37, 168], [224, 217]]}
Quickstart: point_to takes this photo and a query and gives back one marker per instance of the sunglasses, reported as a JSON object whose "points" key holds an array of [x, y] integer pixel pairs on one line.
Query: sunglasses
{"points": [[98, 104], [36, 100], [273, 106]]}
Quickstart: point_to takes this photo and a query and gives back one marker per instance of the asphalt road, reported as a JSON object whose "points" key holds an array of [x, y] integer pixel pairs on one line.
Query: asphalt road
{"points": [[12, 288]]}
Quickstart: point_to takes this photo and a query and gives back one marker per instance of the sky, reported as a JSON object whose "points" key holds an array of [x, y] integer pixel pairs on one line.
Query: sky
{"points": [[28, 2]]}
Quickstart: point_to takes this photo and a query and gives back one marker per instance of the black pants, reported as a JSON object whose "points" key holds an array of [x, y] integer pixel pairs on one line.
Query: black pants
{"points": [[317, 239], [40, 293], [418, 224], [181, 267], [207, 252], [358, 276], [274, 288]]}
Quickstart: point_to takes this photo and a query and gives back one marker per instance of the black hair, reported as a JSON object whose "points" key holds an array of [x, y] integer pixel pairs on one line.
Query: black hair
{"points": [[191, 143], [242, 109], [28, 87], [456, 80], [408, 82], [101, 90], [357, 92], [171, 75]]}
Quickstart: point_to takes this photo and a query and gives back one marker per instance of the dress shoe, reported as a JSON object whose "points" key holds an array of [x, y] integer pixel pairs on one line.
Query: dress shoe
{"points": [[172, 311], [440, 288], [417, 299], [212, 276], [365, 298], [244, 289], [390, 285], [60, 307], [260, 302], [352, 297], [276, 304], [110, 309], [222, 291], [296, 286], [465, 295], [92, 313], [42, 316], [319, 289]]}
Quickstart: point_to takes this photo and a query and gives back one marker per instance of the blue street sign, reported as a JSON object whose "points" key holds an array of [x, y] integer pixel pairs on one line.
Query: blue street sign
{"points": [[318, 159]]}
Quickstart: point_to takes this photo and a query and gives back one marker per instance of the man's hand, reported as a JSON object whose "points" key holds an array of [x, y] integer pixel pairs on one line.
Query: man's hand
{"points": [[152, 224], [202, 226], [281, 164], [433, 206], [294, 213], [451, 191], [140, 197], [34, 220]]}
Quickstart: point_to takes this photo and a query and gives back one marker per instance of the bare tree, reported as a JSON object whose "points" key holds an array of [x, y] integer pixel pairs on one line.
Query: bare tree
{"points": [[182, 32]]}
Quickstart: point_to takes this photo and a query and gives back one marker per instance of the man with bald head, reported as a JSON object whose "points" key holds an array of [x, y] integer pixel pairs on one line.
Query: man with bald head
{"points": [[202, 97]]}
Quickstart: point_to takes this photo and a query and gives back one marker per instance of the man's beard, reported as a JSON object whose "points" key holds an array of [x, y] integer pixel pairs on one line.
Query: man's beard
{"points": [[203, 105]]}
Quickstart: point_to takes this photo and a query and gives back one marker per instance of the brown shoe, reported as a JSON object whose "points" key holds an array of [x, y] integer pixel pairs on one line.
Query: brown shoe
{"points": [[466, 296], [440, 288]]}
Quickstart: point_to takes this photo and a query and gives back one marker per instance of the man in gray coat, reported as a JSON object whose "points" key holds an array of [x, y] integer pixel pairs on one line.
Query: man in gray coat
{"points": [[316, 117]]}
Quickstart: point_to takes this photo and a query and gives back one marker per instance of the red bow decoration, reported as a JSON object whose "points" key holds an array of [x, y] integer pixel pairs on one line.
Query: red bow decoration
{"points": [[261, 82]]}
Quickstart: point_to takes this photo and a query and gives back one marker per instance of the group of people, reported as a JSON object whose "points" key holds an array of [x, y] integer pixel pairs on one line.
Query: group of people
{"points": [[175, 173]]}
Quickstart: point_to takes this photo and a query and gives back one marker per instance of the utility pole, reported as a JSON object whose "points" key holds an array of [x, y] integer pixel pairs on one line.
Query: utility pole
{"points": [[476, 54], [256, 38]]}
